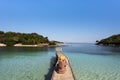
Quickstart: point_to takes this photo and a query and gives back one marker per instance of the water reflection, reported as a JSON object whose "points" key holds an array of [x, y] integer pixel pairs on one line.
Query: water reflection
{"points": [[91, 49], [13, 52], [23, 49]]}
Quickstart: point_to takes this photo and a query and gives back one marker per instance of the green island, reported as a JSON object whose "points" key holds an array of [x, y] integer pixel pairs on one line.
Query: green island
{"points": [[25, 39], [113, 40]]}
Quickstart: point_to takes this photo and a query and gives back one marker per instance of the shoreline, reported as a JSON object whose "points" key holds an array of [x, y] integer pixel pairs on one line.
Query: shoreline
{"points": [[2, 45], [39, 45]]}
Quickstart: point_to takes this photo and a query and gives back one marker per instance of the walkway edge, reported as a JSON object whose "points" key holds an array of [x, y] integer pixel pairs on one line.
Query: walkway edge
{"points": [[55, 75]]}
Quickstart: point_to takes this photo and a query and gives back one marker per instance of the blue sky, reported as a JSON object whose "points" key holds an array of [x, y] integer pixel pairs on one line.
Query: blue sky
{"points": [[62, 20]]}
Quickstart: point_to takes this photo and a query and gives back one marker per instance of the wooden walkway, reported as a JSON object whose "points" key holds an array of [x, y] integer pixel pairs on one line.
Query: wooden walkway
{"points": [[68, 75]]}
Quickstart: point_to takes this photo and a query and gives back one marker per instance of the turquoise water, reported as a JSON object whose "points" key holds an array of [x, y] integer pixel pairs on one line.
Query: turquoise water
{"points": [[89, 62], [95, 67], [24, 64]]}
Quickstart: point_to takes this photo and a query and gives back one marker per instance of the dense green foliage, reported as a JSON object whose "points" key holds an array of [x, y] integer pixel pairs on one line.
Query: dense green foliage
{"points": [[52, 43], [55, 42], [112, 40], [11, 38]]}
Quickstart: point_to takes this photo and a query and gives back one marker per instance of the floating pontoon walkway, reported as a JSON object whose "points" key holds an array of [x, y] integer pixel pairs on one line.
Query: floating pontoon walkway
{"points": [[68, 75]]}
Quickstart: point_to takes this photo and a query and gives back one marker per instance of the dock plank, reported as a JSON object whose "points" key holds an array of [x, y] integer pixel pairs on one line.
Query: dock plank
{"points": [[68, 75]]}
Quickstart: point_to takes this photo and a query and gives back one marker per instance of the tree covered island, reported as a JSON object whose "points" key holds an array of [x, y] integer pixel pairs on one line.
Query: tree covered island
{"points": [[25, 39], [110, 41]]}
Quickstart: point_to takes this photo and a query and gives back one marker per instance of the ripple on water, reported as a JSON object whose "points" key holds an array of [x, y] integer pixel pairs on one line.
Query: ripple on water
{"points": [[95, 67]]}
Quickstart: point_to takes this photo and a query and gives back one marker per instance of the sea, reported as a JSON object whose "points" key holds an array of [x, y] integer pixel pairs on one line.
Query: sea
{"points": [[88, 61]]}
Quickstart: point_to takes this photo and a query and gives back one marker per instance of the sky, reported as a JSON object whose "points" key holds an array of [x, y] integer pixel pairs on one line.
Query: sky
{"points": [[62, 20]]}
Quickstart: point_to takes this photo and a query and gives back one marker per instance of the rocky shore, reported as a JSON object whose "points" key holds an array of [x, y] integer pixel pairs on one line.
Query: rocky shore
{"points": [[2, 45], [37, 45]]}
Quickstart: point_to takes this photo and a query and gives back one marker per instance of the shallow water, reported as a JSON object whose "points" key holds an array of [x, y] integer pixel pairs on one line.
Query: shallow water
{"points": [[92, 62], [24, 64], [95, 67], [89, 62]]}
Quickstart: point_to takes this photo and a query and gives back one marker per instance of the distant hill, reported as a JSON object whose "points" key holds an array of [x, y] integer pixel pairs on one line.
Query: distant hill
{"points": [[12, 38], [110, 41]]}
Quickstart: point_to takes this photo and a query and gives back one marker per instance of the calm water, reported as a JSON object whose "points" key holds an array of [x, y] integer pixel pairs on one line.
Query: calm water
{"points": [[89, 62]]}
